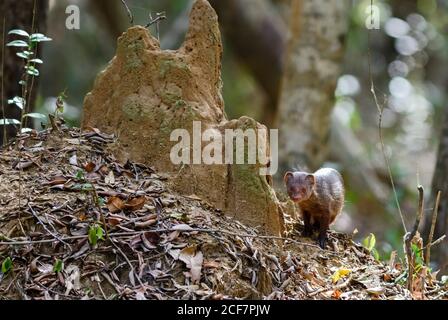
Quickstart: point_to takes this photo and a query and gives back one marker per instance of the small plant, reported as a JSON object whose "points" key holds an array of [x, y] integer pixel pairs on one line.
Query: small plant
{"points": [[369, 243], [95, 233], [6, 265], [58, 266], [418, 256], [29, 48]]}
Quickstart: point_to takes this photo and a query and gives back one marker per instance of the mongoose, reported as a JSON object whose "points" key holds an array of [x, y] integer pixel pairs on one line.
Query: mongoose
{"points": [[320, 196]]}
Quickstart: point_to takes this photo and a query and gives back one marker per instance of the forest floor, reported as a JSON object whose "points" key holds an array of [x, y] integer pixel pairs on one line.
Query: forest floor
{"points": [[56, 201]]}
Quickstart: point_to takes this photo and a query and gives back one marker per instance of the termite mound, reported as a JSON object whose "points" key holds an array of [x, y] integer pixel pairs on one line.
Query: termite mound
{"points": [[145, 93]]}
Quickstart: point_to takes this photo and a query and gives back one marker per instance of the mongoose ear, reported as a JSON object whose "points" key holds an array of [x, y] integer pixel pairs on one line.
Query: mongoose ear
{"points": [[310, 179], [287, 175]]}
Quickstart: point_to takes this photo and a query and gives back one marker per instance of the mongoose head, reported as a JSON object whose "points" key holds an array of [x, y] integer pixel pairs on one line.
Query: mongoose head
{"points": [[300, 185]]}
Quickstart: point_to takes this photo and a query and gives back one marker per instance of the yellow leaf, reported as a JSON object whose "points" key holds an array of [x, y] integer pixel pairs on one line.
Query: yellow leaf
{"points": [[341, 273]]}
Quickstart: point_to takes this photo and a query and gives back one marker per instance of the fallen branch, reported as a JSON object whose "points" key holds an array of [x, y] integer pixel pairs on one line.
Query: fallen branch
{"points": [[433, 226], [164, 230], [45, 227], [338, 287]]}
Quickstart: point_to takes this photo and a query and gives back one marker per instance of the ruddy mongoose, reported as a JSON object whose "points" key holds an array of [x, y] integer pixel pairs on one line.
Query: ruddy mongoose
{"points": [[320, 196]]}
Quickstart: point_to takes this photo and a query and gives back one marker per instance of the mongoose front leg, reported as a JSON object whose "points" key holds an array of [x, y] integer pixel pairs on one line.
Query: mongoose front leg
{"points": [[324, 226], [308, 229]]}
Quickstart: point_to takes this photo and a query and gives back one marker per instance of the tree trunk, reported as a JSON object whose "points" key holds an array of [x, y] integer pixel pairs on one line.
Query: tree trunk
{"points": [[255, 34], [439, 182], [312, 67], [17, 15]]}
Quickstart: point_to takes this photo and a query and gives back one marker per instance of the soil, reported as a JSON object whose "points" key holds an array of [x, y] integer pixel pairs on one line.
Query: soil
{"points": [[57, 187]]}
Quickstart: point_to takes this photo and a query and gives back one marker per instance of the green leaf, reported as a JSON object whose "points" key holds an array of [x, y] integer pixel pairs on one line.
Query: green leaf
{"points": [[26, 130], [36, 60], [22, 55], [58, 266], [376, 255], [39, 37], [101, 201], [35, 115], [18, 101], [83, 187], [444, 280], [6, 265], [28, 53], [80, 175], [9, 121], [32, 71], [22, 82], [17, 43], [369, 242], [418, 255], [93, 238], [19, 32], [95, 233], [99, 233]]}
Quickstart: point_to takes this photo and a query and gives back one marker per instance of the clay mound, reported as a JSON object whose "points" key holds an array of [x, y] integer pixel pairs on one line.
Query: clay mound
{"points": [[162, 245], [146, 93]]}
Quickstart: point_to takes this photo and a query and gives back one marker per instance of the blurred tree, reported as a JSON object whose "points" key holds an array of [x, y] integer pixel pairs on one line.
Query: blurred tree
{"points": [[18, 15], [255, 34], [440, 252], [112, 15], [312, 68]]}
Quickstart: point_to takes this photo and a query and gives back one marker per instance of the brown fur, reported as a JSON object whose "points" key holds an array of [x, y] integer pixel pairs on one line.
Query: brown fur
{"points": [[320, 196]]}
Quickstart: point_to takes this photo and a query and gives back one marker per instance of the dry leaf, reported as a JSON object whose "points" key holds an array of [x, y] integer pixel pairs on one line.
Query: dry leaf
{"points": [[72, 281], [110, 178], [339, 274], [193, 260], [336, 294], [89, 167], [73, 160], [115, 204], [182, 227], [135, 203], [45, 268], [113, 221], [211, 264], [376, 290], [57, 180], [144, 224]]}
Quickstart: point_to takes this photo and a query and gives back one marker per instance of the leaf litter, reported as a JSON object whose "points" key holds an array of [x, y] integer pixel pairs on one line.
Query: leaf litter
{"points": [[156, 244]]}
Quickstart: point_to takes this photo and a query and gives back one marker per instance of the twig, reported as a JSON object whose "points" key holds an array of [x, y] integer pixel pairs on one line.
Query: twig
{"points": [[340, 286], [164, 230], [436, 242], [419, 211], [431, 231], [45, 227], [130, 16], [409, 236], [156, 20], [96, 200], [129, 262], [380, 119]]}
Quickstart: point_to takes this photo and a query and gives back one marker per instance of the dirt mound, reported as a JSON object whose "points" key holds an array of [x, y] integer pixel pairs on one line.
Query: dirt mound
{"points": [[159, 244], [146, 93]]}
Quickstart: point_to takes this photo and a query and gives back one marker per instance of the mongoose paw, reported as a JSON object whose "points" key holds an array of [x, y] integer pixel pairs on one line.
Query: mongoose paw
{"points": [[322, 241], [307, 232]]}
